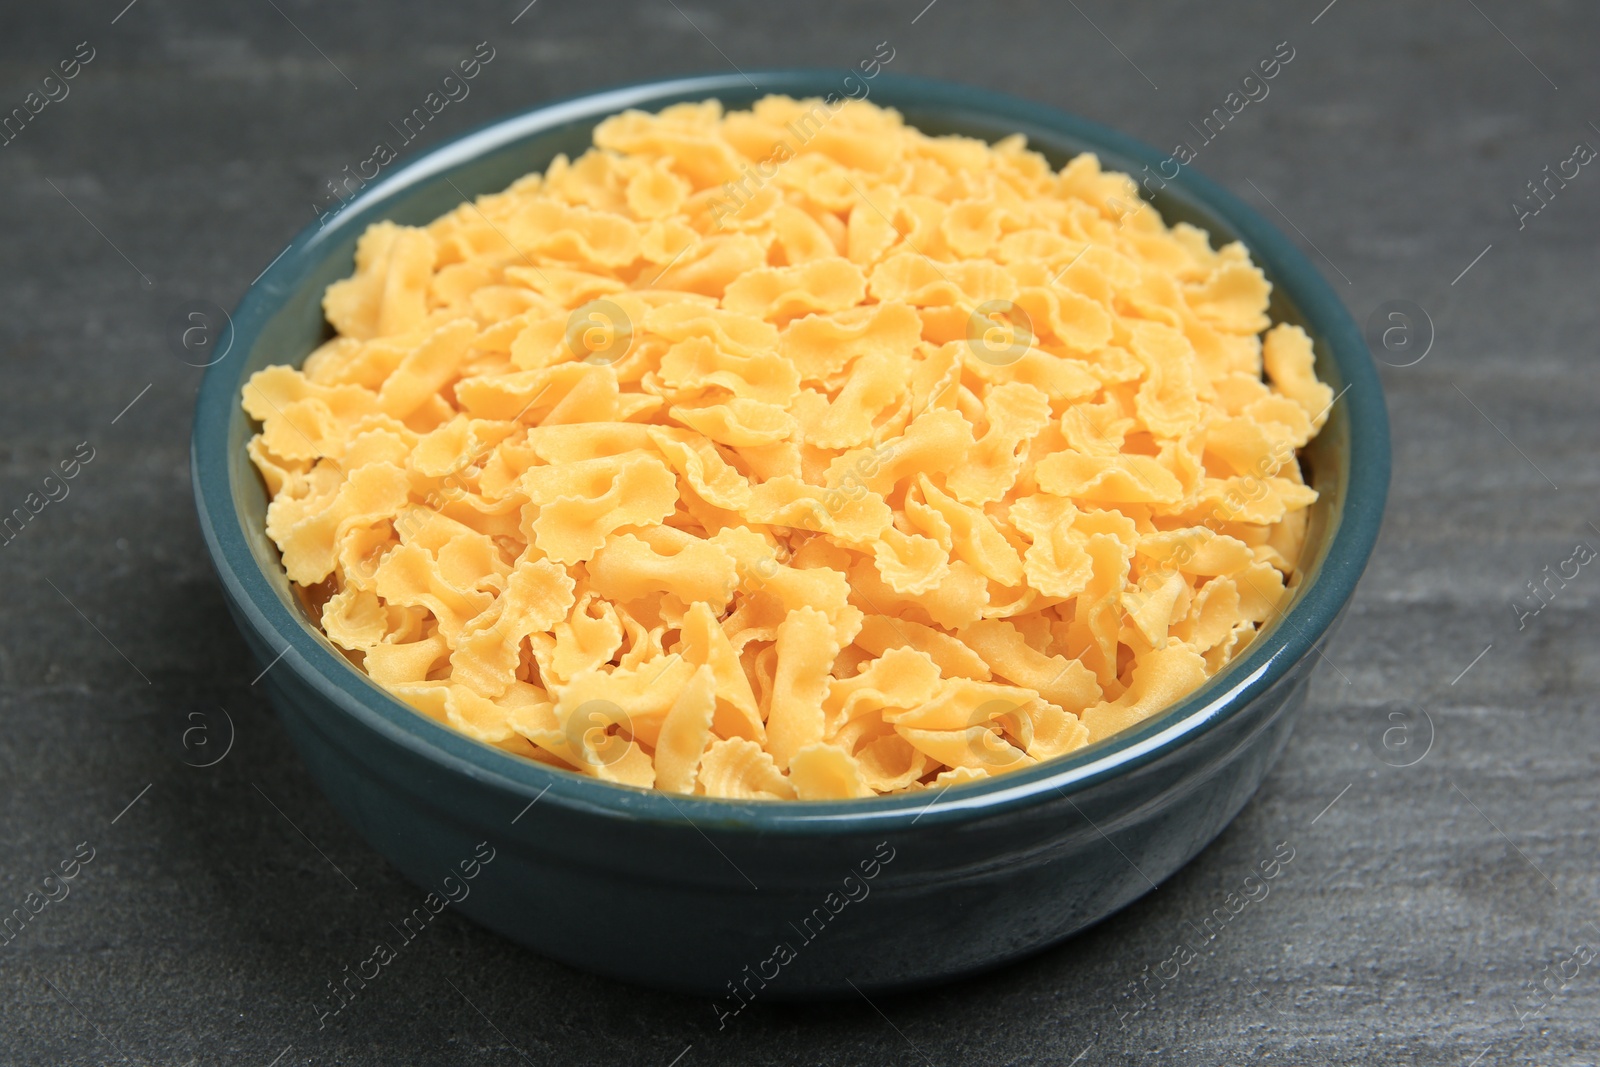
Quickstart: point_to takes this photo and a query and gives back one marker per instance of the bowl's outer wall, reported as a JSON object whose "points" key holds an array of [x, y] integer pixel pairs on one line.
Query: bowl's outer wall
{"points": [[688, 909], [661, 891]]}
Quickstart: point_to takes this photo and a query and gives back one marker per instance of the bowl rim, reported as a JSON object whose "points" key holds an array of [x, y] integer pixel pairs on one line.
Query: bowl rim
{"points": [[1268, 658]]}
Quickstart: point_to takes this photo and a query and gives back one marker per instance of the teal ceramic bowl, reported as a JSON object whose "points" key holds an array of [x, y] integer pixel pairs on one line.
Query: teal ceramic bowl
{"points": [[741, 901]]}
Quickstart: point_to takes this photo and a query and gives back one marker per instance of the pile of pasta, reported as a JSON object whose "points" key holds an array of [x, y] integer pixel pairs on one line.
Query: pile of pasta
{"points": [[792, 453]]}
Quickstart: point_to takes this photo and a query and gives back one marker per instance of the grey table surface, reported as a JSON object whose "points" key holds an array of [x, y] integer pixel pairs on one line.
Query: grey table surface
{"points": [[1442, 901]]}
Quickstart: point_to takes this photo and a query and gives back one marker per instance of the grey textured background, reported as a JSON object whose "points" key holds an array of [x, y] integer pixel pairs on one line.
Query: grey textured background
{"points": [[1419, 907]]}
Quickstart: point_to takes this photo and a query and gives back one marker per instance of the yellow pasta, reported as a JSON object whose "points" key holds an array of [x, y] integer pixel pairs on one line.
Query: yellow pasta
{"points": [[732, 462]]}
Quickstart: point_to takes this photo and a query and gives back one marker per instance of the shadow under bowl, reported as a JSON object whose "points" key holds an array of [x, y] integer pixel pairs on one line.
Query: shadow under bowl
{"points": [[781, 900]]}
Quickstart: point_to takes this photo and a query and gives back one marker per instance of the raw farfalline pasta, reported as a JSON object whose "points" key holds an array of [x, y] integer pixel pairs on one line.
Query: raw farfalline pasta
{"points": [[793, 453]]}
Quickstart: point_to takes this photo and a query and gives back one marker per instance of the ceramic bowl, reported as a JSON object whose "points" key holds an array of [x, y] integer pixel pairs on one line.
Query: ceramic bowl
{"points": [[781, 900]]}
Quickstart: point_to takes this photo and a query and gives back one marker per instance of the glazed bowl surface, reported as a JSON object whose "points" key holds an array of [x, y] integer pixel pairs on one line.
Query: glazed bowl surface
{"points": [[791, 899]]}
